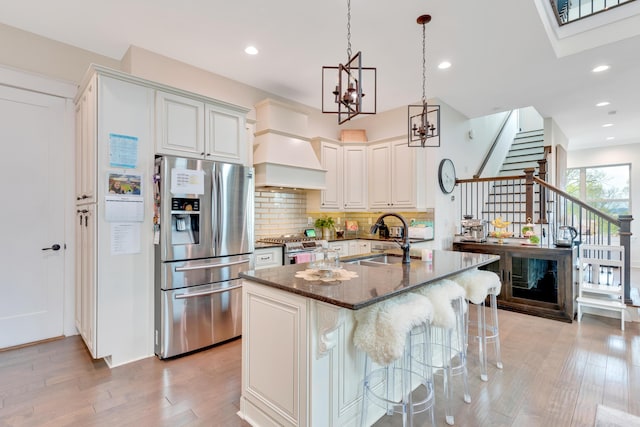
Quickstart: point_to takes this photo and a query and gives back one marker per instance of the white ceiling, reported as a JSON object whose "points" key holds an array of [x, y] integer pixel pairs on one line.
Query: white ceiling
{"points": [[501, 54]]}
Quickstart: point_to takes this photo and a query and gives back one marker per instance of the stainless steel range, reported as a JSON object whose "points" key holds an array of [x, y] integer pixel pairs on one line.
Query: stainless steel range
{"points": [[297, 248]]}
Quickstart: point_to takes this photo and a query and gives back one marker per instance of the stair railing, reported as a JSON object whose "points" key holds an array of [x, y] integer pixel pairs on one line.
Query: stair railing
{"points": [[520, 198], [566, 12], [493, 145]]}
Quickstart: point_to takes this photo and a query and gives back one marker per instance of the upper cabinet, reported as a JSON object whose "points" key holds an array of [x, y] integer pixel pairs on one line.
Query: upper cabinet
{"points": [[355, 177], [86, 144], [191, 127], [393, 184], [346, 177]]}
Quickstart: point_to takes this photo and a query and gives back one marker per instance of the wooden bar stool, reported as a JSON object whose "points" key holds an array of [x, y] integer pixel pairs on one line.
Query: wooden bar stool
{"points": [[389, 332], [479, 284]]}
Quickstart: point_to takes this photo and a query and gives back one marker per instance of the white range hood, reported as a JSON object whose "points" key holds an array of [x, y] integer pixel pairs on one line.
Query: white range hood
{"points": [[281, 156]]}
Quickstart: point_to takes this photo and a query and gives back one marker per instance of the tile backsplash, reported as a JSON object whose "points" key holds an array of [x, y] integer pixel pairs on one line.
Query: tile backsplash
{"points": [[282, 211]]}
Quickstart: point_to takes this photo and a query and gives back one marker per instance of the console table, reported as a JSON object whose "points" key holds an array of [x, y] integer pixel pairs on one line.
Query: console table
{"points": [[535, 280]]}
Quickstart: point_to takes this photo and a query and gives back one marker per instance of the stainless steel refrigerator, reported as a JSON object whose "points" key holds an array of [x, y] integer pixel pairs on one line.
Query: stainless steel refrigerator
{"points": [[204, 239]]}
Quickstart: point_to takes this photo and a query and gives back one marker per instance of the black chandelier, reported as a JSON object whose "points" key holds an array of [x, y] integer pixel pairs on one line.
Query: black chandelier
{"points": [[424, 120], [345, 96]]}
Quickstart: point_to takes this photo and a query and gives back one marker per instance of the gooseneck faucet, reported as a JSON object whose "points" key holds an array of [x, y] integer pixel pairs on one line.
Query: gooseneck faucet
{"points": [[406, 258]]}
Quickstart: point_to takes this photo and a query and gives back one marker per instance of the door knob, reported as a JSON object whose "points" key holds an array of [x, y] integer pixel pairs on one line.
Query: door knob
{"points": [[55, 247]]}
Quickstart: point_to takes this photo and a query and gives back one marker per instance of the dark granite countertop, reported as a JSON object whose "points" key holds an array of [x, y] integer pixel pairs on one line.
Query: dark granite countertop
{"points": [[373, 284]]}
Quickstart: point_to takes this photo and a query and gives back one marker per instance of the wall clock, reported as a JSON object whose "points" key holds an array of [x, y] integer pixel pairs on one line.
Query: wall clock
{"points": [[446, 176]]}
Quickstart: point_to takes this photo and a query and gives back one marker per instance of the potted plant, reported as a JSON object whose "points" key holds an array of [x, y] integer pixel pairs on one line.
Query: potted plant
{"points": [[326, 223]]}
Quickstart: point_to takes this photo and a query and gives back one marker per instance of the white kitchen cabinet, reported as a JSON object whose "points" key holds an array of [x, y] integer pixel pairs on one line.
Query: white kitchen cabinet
{"points": [[268, 257], [85, 142], [354, 177], [194, 127], [393, 181], [179, 125], [342, 247], [357, 247], [113, 278], [299, 364], [346, 177], [331, 160], [85, 276]]}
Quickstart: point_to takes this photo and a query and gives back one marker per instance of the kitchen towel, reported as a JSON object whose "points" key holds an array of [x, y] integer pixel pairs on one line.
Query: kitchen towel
{"points": [[304, 257]]}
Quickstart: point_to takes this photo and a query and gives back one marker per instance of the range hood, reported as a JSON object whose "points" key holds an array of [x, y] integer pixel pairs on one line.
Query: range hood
{"points": [[281, 156]]}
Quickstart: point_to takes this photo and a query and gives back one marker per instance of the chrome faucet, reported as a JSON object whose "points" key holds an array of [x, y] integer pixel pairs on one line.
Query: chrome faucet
{"points": [[406, 258]]}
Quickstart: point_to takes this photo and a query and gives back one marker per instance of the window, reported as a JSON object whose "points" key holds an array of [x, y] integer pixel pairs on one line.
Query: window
{"points": [[606, 188]]}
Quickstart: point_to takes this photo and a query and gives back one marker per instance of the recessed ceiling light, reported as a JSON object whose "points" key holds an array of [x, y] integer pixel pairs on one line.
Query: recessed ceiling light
{"points": [[603, 104], [600, 68], [608, 125], [444, 65], [251, 50], [609, 138]]}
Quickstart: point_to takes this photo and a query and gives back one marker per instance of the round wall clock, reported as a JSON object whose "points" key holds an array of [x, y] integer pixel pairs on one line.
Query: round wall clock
{"points": [[446, 176]]}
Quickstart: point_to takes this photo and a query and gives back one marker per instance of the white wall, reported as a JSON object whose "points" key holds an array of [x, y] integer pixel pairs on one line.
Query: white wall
{"points": [[530, 119], [617, 154]]}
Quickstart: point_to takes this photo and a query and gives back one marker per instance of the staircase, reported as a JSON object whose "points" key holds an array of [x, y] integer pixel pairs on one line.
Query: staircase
{"points": [[507, 199], [527, 148], [521, 192]]}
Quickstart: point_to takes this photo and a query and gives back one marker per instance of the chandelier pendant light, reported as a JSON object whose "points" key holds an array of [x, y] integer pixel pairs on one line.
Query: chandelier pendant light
{"points": [[424, 119], [342, 86]]}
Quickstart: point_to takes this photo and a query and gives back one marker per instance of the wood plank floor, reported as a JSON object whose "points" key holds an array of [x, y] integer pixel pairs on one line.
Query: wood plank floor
{"points": [[554, 375]]}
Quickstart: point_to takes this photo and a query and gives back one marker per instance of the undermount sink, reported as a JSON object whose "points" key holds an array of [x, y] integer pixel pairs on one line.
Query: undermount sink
{"points": [[379, 260]]}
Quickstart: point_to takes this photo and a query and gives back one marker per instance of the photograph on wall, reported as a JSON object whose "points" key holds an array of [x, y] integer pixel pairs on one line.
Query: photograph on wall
{"points": [[124, 184]]}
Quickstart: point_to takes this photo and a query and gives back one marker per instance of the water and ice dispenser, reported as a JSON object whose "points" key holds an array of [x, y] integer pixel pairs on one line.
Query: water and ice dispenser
{"points": [[185, 221]]}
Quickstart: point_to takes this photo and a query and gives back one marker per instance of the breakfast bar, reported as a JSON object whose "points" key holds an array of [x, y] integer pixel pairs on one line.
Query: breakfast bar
{"points": [[299, 364]]}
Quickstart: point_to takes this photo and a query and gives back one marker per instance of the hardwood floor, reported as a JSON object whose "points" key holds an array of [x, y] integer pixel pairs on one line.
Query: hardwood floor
{"points": [[554, 375]]}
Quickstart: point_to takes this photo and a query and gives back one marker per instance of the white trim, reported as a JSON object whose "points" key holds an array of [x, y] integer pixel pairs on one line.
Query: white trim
{"points": [[36, 82]]}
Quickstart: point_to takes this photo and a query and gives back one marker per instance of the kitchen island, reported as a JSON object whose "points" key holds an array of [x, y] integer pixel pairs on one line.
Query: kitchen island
{"points": [[299, 365]]}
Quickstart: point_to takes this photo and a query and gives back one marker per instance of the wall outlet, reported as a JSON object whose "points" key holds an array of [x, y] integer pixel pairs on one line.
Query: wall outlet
{"points": [[309, 220]]}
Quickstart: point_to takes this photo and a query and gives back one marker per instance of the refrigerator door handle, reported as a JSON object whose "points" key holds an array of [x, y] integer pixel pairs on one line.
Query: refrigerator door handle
{"points": [[201, 294], [205, 266]]}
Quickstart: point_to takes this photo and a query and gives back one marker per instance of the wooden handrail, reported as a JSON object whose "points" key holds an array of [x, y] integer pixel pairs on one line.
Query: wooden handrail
{"points": [[578, 202]]}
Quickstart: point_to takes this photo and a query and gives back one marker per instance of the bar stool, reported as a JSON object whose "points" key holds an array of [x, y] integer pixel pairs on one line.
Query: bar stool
{"points": [[388, 332], [479, 284], [448, 335]]}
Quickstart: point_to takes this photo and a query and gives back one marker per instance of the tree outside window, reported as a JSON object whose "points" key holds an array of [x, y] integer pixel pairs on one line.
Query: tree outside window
{"points": [[606, 188]]}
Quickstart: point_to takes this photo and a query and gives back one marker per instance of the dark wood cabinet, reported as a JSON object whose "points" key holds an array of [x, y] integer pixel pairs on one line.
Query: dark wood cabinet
{"points": [[535, 280]]}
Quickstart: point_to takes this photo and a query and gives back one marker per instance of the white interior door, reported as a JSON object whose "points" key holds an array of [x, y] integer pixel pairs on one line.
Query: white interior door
{"points": [[31, 216]]}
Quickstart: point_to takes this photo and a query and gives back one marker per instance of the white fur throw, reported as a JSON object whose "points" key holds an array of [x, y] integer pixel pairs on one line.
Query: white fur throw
{"points": [[478, 284], [381, 329], [441, 294]]}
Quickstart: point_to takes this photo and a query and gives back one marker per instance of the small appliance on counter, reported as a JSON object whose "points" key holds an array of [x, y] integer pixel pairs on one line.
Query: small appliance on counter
{"points": [[396, 232], [473, 230], [383, 230], [566, 236]]}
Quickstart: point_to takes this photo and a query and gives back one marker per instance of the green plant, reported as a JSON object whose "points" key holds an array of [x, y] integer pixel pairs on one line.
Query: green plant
{"points": [[325, 222]]}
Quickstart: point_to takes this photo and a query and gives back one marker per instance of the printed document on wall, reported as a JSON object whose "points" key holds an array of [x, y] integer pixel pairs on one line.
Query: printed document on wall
{"points": [[125, 238]]}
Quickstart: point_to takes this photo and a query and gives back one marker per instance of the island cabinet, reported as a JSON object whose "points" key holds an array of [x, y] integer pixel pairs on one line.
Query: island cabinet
{"points": [[535, 280], [300, 367], [189, 126]]}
